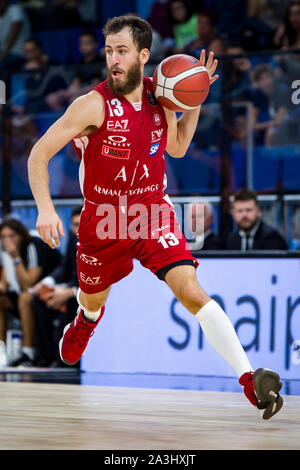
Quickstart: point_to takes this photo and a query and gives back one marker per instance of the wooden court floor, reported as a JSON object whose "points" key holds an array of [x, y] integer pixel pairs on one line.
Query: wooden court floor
{"points": [[39, 416]]}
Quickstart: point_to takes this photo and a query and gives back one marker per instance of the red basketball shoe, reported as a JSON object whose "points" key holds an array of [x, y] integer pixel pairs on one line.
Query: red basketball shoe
{"points": [[76, 336], [261, 388]]}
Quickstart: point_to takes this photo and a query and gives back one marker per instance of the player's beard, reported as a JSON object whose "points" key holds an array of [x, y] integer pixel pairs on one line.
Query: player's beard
{"points": [[132, 81]]}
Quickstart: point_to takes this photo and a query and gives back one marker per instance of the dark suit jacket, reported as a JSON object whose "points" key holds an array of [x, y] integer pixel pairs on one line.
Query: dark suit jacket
{"points": [[212, 242], [66, 272], [265, 238]]}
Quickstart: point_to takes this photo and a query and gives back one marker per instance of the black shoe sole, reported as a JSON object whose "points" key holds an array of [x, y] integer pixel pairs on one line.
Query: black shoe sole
{"points": [[267, 384]]}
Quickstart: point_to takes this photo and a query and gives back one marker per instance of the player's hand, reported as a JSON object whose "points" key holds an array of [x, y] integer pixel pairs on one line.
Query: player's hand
{"points": [[35, 290], [210, 65], [49, 227], [57, 298]]}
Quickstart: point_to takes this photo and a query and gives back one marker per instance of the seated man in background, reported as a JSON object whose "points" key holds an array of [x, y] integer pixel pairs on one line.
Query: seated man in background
{"points": [[25, 260], [55, 300], [252, 233], [87, 73], [201, 218]]}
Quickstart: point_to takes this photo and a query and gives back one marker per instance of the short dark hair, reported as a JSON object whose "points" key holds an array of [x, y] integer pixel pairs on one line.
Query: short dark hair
{"points": [[207, 13], [140, 29], [92, 34], [34, 41], [260, 69], [76, 211], [17, 227], [245, 194]]}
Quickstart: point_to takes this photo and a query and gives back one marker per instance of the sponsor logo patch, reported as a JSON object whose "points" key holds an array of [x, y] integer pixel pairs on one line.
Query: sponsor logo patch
{"points": [[122, 154], [90, 260], [153, 149], [91, 280], [157, 119]]}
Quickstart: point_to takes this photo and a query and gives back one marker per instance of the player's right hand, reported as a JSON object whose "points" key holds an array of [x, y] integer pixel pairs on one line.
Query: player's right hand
{"points": [[49, 227]]}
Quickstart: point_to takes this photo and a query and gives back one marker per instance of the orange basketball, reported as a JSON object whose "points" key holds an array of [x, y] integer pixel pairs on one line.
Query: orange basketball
{"points": [[181, 82]]}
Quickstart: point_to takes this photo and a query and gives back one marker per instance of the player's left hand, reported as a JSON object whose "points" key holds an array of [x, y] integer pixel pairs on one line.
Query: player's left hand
{"points": [[211, 65]]}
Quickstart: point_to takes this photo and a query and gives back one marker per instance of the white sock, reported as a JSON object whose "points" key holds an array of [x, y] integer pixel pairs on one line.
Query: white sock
{"points": [[29, 351], [222, 336], [91, 316]]}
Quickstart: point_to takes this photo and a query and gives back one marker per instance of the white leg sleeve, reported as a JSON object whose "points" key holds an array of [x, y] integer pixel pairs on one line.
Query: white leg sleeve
{"points": [[220, 333]]}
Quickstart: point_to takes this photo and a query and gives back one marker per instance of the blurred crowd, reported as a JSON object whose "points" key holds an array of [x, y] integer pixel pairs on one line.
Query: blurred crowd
{"points": [[180, 26], [38, 289], [257, 43]]}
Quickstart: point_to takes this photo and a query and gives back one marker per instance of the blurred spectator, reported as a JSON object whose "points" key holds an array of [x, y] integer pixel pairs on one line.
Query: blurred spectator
{"points": [[236, 72], [289, 39], [160, 20], [270, 12], [87, 73], [184, 22], [55, 299], [201, 219], [236, 92], [25, 260], [230, 18], [234, 23], [34, 57], [272, 101], [288, 33], [251, 232], [207, 36], [37, 81], [40, 78], [14, 30]]}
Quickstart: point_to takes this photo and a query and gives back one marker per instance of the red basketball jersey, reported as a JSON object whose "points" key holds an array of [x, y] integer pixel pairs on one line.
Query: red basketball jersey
{"points": [[125, 156]]}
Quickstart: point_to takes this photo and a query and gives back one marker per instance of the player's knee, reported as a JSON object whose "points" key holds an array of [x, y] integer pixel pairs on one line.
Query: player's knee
{"points": [[192, 296], [24, 300], [91, 302]]}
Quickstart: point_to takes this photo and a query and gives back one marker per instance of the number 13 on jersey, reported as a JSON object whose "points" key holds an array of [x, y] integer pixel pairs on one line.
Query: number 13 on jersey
{"points": [[115, 107], [168, 240]]}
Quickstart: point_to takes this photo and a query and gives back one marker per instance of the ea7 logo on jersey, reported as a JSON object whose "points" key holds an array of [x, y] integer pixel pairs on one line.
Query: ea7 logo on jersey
{"points": [[91, 280], [153, 149], [118, 125], [156, 135]]}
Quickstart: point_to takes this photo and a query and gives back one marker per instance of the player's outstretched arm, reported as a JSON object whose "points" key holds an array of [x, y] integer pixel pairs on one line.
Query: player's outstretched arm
{"points": [[85, 111], [181, 131]]}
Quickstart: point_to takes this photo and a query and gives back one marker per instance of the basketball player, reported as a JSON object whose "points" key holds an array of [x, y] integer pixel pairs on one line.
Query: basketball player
{"points": [[121, 133]]}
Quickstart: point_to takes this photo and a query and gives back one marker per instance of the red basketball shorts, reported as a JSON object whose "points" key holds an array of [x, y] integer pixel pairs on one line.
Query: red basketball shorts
{"points": [[110, 237]]}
